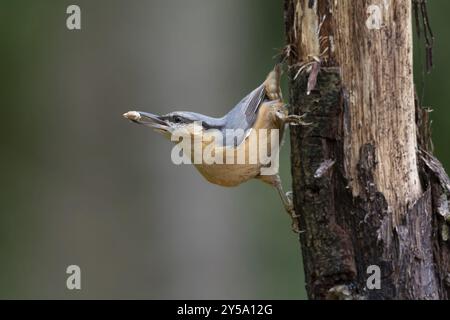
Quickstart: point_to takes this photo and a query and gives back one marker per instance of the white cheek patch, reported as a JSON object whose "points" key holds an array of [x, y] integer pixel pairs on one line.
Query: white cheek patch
{"points": [[375, 17]]}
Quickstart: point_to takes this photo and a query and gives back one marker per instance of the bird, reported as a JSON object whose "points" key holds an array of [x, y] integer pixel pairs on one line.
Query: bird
{"points": [[259, 113]]}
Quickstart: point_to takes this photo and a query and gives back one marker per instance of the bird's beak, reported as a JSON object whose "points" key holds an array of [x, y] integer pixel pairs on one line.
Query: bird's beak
{"points": [[148, 119]]}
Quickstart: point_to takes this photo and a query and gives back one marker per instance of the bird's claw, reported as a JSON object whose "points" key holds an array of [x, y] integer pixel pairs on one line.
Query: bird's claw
{"points": [[291, 211], [296, 120], [295, 226], [290, 196]]}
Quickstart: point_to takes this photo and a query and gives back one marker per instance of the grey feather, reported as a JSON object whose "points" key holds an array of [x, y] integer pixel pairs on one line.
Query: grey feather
{"points": [[235, 125], [243, 116]]}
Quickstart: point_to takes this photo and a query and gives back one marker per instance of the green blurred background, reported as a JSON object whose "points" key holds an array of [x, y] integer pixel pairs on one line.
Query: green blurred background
{"points": [[80, 185]]}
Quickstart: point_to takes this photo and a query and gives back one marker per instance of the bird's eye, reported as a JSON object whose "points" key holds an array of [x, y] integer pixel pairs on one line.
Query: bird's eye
{"points": [[177, 119]]}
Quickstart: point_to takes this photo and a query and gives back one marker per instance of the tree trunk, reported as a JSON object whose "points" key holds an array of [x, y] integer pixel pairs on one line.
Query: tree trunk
{"points": [[367, 189]]}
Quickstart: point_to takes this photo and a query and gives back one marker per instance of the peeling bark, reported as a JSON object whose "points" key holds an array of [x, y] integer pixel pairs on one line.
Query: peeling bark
{"points": [[366, 186]]}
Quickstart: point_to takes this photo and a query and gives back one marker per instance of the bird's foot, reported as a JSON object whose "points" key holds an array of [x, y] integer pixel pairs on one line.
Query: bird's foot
{"points": [[295, 225], [296, 120], [287, 198], [291, 211]]}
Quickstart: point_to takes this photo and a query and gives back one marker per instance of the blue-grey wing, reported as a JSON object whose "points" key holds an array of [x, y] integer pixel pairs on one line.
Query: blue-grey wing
{"points": [[243, 116]]}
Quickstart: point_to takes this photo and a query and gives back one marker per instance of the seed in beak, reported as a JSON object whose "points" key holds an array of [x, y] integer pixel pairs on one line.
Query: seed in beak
{"points": [[132, 115]]}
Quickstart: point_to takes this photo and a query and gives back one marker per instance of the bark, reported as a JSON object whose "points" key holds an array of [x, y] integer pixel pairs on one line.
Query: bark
{"points": [[366, 186]]}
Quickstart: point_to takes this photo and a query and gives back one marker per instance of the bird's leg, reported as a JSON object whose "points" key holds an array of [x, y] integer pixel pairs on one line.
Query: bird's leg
{"points": [[286, 198]]}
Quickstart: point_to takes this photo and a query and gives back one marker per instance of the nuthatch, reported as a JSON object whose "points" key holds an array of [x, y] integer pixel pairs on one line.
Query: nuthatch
{"points": [[263, 108]]}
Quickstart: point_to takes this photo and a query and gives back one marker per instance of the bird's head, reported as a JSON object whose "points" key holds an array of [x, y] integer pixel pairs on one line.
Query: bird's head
{"points": [[180, 122]]}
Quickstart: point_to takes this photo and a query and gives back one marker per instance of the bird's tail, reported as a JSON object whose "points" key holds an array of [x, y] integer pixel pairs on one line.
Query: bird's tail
{"points": [[272, 83]]}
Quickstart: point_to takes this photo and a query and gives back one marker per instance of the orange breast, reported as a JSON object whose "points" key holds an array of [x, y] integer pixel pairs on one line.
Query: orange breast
{"points": [[250, 165]]}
